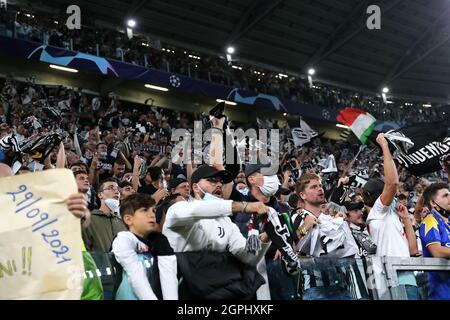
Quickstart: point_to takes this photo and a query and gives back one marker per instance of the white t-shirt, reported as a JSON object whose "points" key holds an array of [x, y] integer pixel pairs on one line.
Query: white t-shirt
{"points": [[387, 231]]}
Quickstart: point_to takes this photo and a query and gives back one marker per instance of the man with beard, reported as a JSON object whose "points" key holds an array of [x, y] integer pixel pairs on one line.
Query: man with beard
{"points": [[118, 169], [210, 245], [329, 284], [435, 236]]}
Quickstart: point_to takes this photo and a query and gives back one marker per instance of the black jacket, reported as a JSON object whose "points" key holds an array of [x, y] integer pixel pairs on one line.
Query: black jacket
{"points": [[216, 276]]}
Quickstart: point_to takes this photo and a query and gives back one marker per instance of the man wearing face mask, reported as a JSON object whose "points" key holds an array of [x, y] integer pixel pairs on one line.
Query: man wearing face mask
{"points": [[210, 245], [259, 188], [263, 186], [105, 223], [435, 236]]}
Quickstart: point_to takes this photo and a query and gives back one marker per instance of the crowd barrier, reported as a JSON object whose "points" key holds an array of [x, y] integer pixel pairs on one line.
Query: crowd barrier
{"points": [[371, 278]]}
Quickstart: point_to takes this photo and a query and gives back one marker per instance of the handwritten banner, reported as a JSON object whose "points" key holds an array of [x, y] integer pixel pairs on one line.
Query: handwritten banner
{"points": [[40, 240]]}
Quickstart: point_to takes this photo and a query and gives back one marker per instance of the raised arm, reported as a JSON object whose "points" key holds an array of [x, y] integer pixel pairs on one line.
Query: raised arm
{"points": [[161, 161], [94, 171], [127, 163], [216, 153], [187, 213], [406, 218], [138, 161], [61, 157], [391, 181]]}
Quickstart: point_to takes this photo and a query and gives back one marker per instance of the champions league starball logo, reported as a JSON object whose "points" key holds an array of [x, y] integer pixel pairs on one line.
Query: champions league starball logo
{"points": [[326, 114], [44, 53], [175, 81]]}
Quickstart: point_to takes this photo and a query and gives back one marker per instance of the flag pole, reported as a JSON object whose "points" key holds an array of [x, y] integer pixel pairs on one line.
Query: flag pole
{"points": [[350, 165], [361, 148]]}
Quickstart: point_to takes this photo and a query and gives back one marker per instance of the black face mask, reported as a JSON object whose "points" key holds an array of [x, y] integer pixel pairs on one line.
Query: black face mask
{"points": [[442, 211]]}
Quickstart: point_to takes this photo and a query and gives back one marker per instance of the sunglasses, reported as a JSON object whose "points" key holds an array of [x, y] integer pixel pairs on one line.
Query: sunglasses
{"points": [[215, 180]]}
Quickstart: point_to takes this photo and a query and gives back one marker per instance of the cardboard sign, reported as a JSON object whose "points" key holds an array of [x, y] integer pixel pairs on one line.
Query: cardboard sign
{"points": [[40, 240]]}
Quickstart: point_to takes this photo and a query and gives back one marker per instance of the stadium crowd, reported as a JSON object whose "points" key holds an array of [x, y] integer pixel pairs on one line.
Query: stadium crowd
{"points": [[220, 231], [208, 223], [145, 51]]}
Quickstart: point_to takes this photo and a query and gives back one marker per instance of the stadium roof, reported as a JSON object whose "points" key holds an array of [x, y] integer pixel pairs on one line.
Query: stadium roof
{"points": [[410, 54]]}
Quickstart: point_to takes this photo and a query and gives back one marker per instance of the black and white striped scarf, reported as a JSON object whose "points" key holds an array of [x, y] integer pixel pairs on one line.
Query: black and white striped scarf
{"points": [[10, 143]]}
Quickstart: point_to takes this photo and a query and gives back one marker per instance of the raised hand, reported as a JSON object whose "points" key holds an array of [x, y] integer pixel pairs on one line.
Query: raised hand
{"points": [[257, 207], [381, 140]]}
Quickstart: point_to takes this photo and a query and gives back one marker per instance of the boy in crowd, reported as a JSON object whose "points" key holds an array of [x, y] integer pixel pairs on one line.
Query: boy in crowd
{"points": [[143, 242]]}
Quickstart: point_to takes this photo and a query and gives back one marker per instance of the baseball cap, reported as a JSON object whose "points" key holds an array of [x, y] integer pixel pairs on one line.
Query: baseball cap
{"points": [[282, 191], [353, 206], [206, 171], [374, 186], [175, 183], [252, 168]]}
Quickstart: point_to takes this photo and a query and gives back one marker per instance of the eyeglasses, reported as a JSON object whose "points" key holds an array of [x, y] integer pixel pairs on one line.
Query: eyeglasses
{"points": [[111, 188], [214, 180]]}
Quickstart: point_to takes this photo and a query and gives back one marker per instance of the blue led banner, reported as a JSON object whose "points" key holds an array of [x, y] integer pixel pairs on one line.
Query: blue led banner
{"points": [[90, 63]]}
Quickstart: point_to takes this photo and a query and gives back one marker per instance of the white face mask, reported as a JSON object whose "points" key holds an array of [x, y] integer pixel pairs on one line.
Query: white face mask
{"points": [[244, 191], [113, 205], [270, 186]]}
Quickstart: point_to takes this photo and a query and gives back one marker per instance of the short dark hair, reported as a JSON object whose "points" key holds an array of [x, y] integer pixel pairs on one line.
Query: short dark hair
{"points": [[80, 164], [100, 143], [100, 187], [78, 172], [135, 202], [155, 173], [431, 191], [120, 162], [372, 190], [402, 196], [293, 200], [124, 184]]}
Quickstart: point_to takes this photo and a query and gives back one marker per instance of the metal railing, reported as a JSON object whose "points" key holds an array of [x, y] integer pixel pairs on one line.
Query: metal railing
{"points": [[372, 278], [384, 275]]}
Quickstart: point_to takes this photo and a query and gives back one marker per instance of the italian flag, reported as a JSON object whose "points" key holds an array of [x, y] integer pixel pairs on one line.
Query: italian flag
{"points": [[359, 121]]}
